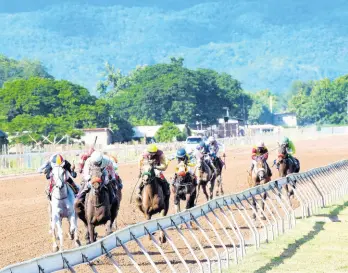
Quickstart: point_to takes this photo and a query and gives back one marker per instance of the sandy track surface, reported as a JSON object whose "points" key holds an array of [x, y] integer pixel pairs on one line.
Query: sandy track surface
{"points": [[24, 217]]}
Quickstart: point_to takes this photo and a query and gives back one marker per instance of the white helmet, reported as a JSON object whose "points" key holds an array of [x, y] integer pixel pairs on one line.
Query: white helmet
{"points": [[261, 144], [211, 139], [97, 157]]}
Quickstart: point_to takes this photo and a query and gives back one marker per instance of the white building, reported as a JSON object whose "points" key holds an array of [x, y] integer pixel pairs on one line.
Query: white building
{"points": [[285, 119], [104, 136], [150, 131]]}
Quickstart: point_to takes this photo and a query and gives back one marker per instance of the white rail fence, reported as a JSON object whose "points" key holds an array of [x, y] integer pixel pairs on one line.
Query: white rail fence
{"points": [[224, 219], [29, 162]]}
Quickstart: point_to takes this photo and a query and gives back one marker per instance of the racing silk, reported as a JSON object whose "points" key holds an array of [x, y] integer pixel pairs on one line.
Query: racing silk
{"points": [[291, 148], [214, 148], [161, 162], [106, 166], [203, 150], [83, 160], [259, 151], [187, 162]]}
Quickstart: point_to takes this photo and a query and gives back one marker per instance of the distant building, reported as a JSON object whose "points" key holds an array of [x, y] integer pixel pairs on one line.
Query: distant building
{"points": [[231, 127], [150, 131], [285, 119], [3, 142], [104, 136], [262, 129]]}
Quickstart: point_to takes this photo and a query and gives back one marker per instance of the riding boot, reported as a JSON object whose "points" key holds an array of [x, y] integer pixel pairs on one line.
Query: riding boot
{"points": [[119, 184], [165, 187], [81, 196], [111, 192], [73, 185], [269, 172]]}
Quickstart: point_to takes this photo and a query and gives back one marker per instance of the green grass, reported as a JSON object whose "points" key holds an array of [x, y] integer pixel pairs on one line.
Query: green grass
{"points": [[315, 245]]}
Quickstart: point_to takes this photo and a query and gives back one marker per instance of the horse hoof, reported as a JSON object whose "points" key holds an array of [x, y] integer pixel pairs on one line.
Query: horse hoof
{"points": [[71, 236], [77, 243], [55, 249], [263, 218], [163, 240]]}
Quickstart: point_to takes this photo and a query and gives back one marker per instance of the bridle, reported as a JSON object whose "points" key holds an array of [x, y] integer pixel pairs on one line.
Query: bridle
{"points": [[63, 179]]}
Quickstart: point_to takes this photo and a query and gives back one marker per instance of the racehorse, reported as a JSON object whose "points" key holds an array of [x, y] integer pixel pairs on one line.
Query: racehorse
{"points": [[286, 166], [204, 175], [62, 206], [184, 187], [259, 176], [98, 209], [153, 200], [218, 165]]}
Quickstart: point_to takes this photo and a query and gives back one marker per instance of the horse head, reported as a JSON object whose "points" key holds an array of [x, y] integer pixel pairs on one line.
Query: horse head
{"points": [[60, 189], [96, 179], [148, 172], [58, 175], [260, 169], [181, 171], [282, 153]]}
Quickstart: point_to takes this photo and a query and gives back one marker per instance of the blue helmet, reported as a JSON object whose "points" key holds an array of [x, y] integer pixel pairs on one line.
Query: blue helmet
{"points": [[181, 153], [201, 145]]}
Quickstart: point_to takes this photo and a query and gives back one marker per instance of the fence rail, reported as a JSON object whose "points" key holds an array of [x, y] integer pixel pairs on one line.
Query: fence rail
{"points": [[224, 217], [29, 162]]}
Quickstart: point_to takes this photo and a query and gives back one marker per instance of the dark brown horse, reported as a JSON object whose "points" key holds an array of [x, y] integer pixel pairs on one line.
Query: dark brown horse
{"points": [[98, 209], [205, 175], [259, 176], [285, 166], [184, 187], [153, 200]]}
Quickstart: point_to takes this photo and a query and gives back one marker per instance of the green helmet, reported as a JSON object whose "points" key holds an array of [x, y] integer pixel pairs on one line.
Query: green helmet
{"points": [[286, 140]]}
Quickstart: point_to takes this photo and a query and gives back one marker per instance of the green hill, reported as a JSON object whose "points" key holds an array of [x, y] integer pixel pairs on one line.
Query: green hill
{"points": [[264, 44]]}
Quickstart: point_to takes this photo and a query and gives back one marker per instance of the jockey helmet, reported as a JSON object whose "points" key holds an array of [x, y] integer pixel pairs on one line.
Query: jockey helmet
{"points": [[97, 158], [211, 139], [201, 144], [152, 148], [286, 140], [180, 153], [57, 160], [261, 144]]}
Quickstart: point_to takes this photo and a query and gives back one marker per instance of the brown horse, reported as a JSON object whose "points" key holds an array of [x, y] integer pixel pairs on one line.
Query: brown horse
{"points": [[285, 166], [204, 176], [184, 187], [153, 200], [98, 209], [259, 176], [218, 165]]}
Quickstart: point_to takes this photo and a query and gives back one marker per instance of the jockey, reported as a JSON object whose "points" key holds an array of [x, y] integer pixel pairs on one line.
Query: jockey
{"points": [[84, 157], [153, 154], [58, 160], [203, 149], [182, 156], [290, 147], [106, 165], [214, 147], [261, 150], [115, 166]]}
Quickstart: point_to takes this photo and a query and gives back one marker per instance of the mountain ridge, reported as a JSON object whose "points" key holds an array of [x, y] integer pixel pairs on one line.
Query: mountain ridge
{"points": [[262, 45]]}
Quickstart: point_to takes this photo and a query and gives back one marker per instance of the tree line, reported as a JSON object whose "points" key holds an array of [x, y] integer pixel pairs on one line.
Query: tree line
{"points": [[33, 102]]}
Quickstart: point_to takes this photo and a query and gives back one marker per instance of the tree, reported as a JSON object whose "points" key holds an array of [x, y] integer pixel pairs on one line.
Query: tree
{"points": [[171, 92], [169, 132], [12, 69]]}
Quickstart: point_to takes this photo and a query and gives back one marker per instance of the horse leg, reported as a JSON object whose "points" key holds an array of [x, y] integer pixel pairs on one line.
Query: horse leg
{"points": [[162, 237], [204, 188], [73, 229], [255, 207], [60, 233], [53, 233], [91, 233], [211, 188], [108, 227]]}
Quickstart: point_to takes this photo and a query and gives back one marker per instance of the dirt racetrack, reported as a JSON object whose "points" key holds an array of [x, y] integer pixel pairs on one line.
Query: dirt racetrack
{"points": [[24, 218]]}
